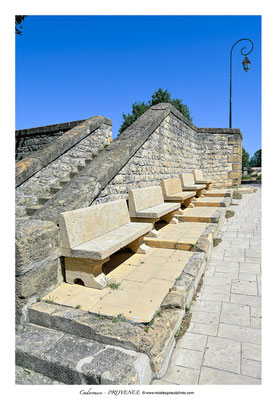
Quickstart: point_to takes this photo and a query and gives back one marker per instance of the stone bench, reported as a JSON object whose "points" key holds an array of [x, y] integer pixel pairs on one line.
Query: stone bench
{"points": [[89, 236], [172, 192], [188, 183], [147, 205], [199, 179]]}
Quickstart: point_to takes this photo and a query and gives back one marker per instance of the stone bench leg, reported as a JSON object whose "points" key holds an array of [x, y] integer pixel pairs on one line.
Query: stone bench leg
{"points": [[187, 202], [170, 219], [138, 246], [208, 186], [199, 193], [85, 272]]}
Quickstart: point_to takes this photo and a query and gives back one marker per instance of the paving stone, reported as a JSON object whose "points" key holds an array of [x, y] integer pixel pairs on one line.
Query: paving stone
{"points": [[161, 382], [244, 287], [192, 341], [251, 368], [205, 317], [224, 275], [241, 333], [205, 329], [182, 376], [206, 306], [255, 312], [247, 277], [236, 314], [251, 351], [244, 299], [210, 376], [256, 322], [215, 297], [216, 289], [187, 358], [223, 354]]}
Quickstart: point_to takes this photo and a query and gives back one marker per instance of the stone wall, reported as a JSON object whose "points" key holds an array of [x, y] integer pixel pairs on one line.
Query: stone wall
{"points": [[178, 146], [38, 269], [89, 138], [33, 139], [160, 144]]}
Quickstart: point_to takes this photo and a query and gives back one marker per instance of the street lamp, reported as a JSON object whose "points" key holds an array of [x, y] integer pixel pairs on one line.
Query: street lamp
{"points": [[245, 64]]}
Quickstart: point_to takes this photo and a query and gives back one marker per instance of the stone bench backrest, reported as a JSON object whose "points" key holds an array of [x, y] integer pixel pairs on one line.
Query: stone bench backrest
{"points": [[198, 175], [187, 179], [171, 186], [146, 197], [80, 226]]}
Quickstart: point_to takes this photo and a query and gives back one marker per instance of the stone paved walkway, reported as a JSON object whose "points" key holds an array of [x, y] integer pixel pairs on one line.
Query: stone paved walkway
{"points": [[223, 342]]}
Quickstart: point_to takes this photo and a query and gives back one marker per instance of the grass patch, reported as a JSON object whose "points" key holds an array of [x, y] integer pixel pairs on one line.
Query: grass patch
{"points": [[78, 306], [112, 284], [237, 195], [216, 241], [229, 214], [146, 328], [51, 299], [184, 326]]}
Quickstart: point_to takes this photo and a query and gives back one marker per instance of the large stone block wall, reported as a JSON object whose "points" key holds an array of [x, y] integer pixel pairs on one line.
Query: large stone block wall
{"points": [[38, 269], [221, 157], [174, 147], [41, 182], [29, 140]]}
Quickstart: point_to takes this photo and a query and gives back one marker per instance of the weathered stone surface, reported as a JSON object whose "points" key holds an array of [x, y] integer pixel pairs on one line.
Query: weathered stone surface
{"points": [[235, 174], [79, 361], [57, 147], [25, 376], [234, 158], [36, 242]]}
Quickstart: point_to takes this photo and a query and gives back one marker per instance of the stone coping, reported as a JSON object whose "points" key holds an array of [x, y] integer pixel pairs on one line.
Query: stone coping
{"points": [[39, 159], [63, 126]]}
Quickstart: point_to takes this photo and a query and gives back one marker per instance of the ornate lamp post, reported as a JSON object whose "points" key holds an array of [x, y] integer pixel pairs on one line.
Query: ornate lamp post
{"points": [[245, 64]]}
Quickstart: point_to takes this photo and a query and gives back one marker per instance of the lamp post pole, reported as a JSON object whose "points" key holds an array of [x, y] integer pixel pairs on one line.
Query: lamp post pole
{"points": [[245, 64]]}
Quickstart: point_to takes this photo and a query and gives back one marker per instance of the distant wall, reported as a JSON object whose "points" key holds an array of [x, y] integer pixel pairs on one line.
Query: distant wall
{"points": [[33, 139]]}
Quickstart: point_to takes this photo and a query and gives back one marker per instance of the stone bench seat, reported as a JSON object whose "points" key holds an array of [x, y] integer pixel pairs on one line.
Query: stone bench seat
{"points": [[103, 246], [147, 205], [188, 183], [180, 196], [199, 178], [89, 236], [157, 211], [172, 191]]}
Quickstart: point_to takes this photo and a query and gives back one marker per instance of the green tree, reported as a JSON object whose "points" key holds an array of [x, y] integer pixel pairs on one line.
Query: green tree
{"points": [[245, 158], [18, 24], [160, 96], [256, 160]]}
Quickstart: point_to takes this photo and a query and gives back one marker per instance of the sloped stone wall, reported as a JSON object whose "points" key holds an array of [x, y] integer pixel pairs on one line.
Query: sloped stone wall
{"points": [[64, 162], [29, 140]]}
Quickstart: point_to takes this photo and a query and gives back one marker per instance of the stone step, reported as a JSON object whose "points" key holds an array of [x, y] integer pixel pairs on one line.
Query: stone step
{"points": [[219, 193], [81, 167], [202, 214], [33, 209], [55, 189], [75, 360], [213, 202], [182, 236], [73, 173], [44, 199], [64, 181]]}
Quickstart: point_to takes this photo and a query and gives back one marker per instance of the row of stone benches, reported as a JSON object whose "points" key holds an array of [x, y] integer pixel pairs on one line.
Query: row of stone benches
{"points": [[91, 235]]}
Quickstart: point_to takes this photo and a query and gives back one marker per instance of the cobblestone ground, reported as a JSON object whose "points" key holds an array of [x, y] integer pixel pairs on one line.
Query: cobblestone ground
{"points": [[223, 343]]}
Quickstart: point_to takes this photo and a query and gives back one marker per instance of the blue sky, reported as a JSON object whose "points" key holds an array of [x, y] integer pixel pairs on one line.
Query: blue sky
{"points": [[75, 67]]}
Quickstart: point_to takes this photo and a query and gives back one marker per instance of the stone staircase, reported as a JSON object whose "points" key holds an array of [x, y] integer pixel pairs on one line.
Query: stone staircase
{"points": [[42, 199]]}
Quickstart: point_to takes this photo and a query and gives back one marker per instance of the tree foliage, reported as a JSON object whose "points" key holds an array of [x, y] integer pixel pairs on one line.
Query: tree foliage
{"points": [[18, 24], [160, 96], [245, 158], [256, 160]]}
